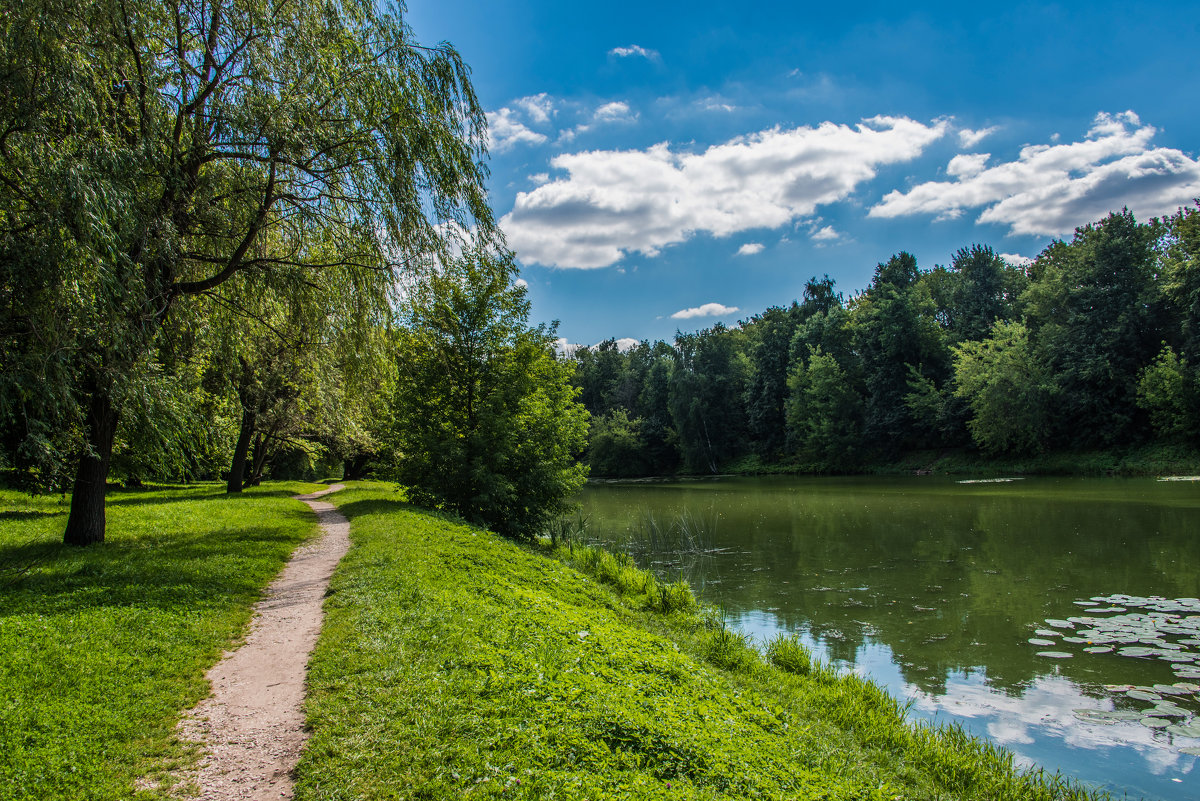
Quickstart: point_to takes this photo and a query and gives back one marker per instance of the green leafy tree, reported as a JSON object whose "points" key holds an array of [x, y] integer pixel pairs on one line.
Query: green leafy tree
{"points": [[486, 419], [616, 446], [1096, 315], [1169, 389], [707, 387], [1008, 389], [825, 413], [149, 147]]}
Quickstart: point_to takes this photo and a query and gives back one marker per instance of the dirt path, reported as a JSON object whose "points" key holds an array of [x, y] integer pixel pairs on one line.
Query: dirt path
{"points": [[252, 727]]}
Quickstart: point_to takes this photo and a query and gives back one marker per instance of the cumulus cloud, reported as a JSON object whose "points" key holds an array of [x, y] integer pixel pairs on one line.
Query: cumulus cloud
{"points": [[626, 343], [1016, 259], [522, 282], [707, 310], [969, 138], [635, 50], [506, 131], [538, 108], [1051, 189], [565, 348], [750, 248], [616, 202], [825, 233]]}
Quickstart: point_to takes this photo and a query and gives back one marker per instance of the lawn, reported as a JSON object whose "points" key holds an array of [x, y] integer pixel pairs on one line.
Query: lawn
{"points": [[102, 648]]}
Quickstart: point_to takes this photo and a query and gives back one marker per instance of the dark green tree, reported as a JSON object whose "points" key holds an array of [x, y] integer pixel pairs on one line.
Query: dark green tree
{"points": [[1096, 314]]}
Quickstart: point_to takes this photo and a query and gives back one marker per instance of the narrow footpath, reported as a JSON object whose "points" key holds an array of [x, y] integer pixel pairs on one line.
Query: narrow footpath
{"points": [[251, 728]]}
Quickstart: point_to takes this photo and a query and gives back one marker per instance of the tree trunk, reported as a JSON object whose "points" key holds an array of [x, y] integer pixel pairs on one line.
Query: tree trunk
{"points": [[237, 471], [85, 524], [260, 456]]}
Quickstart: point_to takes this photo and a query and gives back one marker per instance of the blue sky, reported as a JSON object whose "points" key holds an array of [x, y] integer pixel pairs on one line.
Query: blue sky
{"points": [[663, 166]]}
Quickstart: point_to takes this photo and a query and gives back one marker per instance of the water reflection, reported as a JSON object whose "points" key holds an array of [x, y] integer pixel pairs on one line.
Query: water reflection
{"points": [[933, 588]]}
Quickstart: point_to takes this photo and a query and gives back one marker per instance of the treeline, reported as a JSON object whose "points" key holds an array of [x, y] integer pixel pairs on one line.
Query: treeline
{"points": [[1094, 345]]}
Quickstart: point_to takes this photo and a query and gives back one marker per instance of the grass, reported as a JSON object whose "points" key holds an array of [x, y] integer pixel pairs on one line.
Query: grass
{"points": [[454, 664], [101, 648]]}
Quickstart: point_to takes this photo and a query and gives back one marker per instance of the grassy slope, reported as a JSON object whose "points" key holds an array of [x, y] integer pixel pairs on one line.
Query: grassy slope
{"points": [[454, 665], [102, 647]]}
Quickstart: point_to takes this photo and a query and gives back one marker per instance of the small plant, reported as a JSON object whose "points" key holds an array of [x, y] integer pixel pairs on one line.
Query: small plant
{"points": [[787, 653]]}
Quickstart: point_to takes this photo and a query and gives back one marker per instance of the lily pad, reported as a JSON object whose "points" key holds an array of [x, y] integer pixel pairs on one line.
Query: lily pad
{"points": [[1156, 723], [1047, 633], [1054, 654], [1060, 624], [1142, 695], [1190, 751], [1040, 641], [1169, 689], [1187, 687], [1099, 649]]}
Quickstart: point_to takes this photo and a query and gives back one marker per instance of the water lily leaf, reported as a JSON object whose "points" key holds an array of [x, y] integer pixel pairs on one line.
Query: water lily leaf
{"points": [[1155, 723], [1142, 695], [1190, 751], [1040, 641], [1060, 624], [1187, 687], [1047, 633], [1169, 689], [1099, 649], [1054, 654]]}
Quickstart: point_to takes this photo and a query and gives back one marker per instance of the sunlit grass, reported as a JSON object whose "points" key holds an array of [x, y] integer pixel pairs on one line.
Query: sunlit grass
{"points": [[101, 648], [455, 664]]}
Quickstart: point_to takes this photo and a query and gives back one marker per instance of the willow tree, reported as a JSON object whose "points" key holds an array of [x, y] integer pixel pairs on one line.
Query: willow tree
{"points": [[148, 147]]}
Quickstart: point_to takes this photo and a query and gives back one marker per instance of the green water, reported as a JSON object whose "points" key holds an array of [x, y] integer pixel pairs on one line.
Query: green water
{"points": [[933, 588]]}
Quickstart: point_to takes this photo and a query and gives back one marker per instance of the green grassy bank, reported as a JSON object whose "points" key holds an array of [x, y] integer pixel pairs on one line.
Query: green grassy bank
{"points": [[454, 664], [1146, 460], [101, 648]]}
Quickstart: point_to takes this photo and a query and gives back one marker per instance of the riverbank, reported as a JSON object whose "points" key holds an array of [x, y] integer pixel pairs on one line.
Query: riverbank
{"points": [[455, 664], [1145, 460]]}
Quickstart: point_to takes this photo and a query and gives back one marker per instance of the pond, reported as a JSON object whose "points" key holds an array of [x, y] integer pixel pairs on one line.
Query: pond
{"points": [[1059, 617]]}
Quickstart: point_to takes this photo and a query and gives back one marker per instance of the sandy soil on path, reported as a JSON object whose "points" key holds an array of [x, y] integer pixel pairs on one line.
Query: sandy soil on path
{"points": [[252, 727]]}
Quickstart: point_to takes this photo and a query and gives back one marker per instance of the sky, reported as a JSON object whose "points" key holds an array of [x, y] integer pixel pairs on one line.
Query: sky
{"points": [[667, 166]]}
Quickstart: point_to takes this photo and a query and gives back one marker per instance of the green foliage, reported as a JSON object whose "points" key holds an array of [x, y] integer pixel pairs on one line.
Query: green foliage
{"points": [[1168, 391], [616, 446], [140, 171], [1095, 314], [1008, 389], [486, 421], [102, 649], [454, 664], [825, 413]]}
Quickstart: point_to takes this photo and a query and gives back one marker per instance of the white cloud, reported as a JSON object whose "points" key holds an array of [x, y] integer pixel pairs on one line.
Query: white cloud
{"points": [[538, 107], [522, 282], [1016, 259], [626, 343], [1051, 189], [566, 348], [506, 131], [716, 104], [635, 50], [707, 310], [970, 138], [617, 202], [824, 234], [750, 248], [964, 166], [539, 178], [616, 111]]}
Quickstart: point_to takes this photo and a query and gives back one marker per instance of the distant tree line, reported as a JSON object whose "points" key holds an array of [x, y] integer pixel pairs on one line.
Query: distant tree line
{"points": [[1093, 345]]}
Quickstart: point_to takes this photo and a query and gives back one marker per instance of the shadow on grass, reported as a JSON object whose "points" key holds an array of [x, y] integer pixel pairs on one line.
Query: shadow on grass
{"points": [[28, 514], [139, 566]]}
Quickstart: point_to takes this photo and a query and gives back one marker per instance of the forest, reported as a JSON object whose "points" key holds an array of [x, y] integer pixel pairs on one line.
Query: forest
{"points": [[1094, 345]]}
